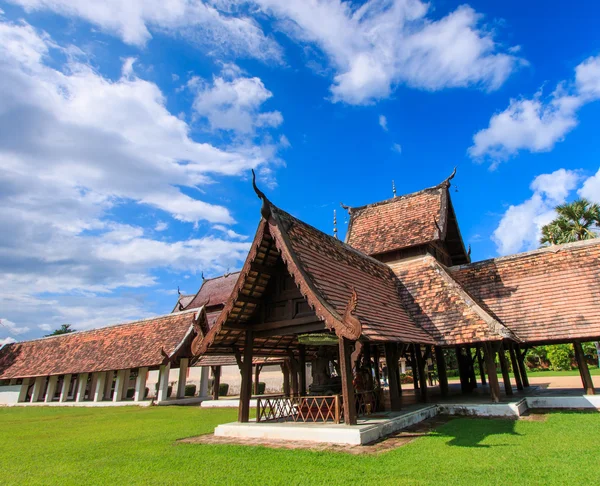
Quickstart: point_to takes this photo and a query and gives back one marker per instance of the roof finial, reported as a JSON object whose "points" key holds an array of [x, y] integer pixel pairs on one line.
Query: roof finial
{"points": [[265, 211], [469, 250], [394, 187], [202, 275], [347, 208], [449, 178], [334, 225], [178, 291]]}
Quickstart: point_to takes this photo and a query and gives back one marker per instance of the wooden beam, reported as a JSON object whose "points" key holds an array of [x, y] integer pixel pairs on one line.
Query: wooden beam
{"points": [[441, 369], [299, 329], [347, 387], [302, 369], [505, 373], [259, 268], [216, 381], [584, 371], [515, 366], [246, 388], [391, 361], [238, 357], [490, 363], [248, 300], [481, 365]]}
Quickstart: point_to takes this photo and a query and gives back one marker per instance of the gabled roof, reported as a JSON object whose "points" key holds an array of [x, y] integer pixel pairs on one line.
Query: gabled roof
{"points": [[356, 296], [182, 301], [406, 221], [213, 291], [149, 342], [442, 307], [551, 294]]}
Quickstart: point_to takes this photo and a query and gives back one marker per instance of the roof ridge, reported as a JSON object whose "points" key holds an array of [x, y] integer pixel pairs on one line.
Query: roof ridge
{"points": [[537, 251], [396, 198], [120, 324]]}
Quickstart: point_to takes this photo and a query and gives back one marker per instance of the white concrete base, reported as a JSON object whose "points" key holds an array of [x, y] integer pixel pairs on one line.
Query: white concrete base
{"points": [[182, 401], [234, 403], [9, 394], [576, 402], [502, 410], [128, 403]]}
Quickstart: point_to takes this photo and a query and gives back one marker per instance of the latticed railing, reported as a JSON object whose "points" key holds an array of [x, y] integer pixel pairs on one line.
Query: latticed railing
{"points": [[368, 402], [299, 409]]}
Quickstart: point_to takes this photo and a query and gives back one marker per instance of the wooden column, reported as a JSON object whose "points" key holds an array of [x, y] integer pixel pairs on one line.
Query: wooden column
{"points": [[286, 379], [489, 354], [246, 388], [257, 370], [471, 368], [505, 373], [462, 371], [302, 369], [413, 360], [522, 367], [584, 371], [391, 361], [515, 366], [216, 370], [441, 369], [375, 353], [347, 387], [481, 365], [422, 364]]}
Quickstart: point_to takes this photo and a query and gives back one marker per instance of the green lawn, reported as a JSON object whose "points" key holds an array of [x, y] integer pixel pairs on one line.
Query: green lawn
{"points": [[137, 446]]}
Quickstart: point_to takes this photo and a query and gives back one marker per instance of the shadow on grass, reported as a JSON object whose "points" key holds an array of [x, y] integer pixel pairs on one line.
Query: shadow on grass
{"points": [[472, 432]]}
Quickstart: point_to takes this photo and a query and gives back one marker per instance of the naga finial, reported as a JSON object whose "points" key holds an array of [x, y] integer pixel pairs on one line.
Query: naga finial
{"points": [[202, 275], [347, 208], [178, 291], [334, 225], [265, 210], [394, 187], [449, 178], [469, 250]]}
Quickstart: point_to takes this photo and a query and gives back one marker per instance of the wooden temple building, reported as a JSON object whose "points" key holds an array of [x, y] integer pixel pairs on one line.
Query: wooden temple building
{"points": [[401, 286]]}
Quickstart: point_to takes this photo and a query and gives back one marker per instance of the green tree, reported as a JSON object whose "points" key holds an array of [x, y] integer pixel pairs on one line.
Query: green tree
{"points": [[64, 329], [576, 221]]}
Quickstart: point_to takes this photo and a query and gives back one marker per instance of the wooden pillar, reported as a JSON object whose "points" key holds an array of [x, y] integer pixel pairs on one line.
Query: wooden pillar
{"points": [[216, 370], [51, 389], [441, 369], [246, 388], [347, 387], [302, 370], [391, 361], [481, 365], [99, 388], [294, 379], [505, 373], [522, 366], [462, 371], [140, 384], [375, 354], [422, 364], [515, 366], [182, 379], [584, 371], [257, 370], [413, 361], [286, 379], [471, 368], [489, 354]]}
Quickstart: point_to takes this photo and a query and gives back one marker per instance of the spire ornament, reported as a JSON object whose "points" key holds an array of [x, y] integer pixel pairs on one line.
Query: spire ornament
{"points": [[394, 187], [335, 231]]}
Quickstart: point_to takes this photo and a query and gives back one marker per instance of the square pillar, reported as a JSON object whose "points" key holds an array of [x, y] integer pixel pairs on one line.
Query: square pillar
{"points": [[99, 388], [24, 390], [246, 388], [122, 377], [163, 382], [110, 375], [441, 369], [216, 381], [505, 372], [302, 363], [183, 372], [51, 390], [38, 385], [81, 386], [347, 387], [584, 371], [140, 385], [204, 377], [391, 361], [64, 391], [490, 364]]}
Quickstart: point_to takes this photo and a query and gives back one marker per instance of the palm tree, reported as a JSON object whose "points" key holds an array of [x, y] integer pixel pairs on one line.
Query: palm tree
{"points": [[576, 221]]}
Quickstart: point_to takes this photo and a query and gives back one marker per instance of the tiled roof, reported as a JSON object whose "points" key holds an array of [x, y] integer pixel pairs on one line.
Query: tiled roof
{"points": [[551, 294], [182, 302], [397, 223], [130, 345], [214, 291], [442, 307]]}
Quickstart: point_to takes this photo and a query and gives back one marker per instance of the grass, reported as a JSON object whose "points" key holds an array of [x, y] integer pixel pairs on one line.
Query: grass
{"points": [[133, 445]]}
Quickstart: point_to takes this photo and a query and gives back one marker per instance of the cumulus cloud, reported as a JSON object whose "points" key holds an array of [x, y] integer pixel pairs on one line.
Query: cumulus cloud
{"points": [[396, 147], [521, 225], [591, 188], [383, 122], [537, 124], [198, 22], [74, 146], [11, 327], [382, 43]]}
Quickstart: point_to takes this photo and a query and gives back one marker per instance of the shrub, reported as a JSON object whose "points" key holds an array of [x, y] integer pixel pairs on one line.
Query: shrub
{"points": [[223, 389], [190, 390], [261, 388], [406, 378], [560, 356]]}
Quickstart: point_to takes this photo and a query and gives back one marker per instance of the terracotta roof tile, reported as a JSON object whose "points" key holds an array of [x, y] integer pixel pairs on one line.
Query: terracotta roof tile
{"points": [[214, 291], [552, 294], [131, 345], [396, 223], [182, 302], [442, 307]]}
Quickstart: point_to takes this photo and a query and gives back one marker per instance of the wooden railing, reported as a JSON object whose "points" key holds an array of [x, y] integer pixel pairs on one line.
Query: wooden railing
{"points": [[299, 409], [368, 402]]}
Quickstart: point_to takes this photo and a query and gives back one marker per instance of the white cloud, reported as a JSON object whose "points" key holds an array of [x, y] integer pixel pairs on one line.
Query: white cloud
{"points": [[161, 226], [229, 232], [233, 102], [12, 328], [537, 124], [7, 340], [521, 225], [198, 22], [379, 44], [591, 188], [396, 147], [383, 122], [45, 327]]}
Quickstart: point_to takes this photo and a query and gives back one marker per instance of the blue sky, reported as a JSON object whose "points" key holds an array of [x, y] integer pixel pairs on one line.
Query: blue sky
{"points": [[127, 135]]}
